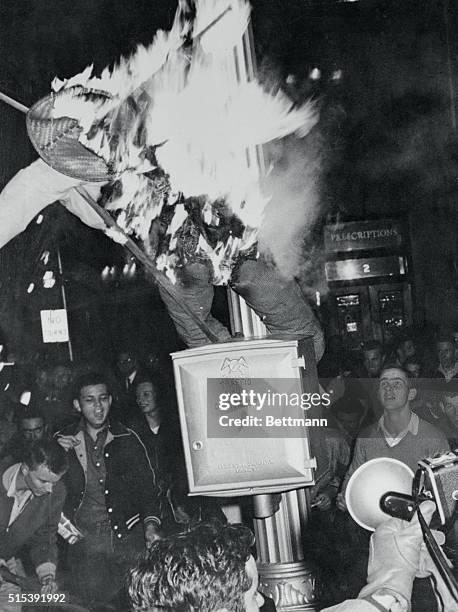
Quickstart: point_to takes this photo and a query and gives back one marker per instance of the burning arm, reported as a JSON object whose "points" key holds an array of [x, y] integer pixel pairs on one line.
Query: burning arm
{"points": [[34, 188]]}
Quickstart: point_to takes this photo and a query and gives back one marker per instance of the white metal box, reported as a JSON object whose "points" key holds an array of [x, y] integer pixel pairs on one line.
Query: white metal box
{"points": [[235, 466]]}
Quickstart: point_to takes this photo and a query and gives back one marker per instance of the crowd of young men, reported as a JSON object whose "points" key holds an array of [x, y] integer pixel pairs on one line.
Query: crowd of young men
{"points": [[125, 484]]}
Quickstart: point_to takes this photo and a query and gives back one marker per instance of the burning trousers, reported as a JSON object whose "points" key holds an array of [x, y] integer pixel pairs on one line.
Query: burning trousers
{"points": [[278, 301]]}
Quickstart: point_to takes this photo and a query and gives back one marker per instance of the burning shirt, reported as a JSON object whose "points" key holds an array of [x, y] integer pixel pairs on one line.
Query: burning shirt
{"points": [[177, 125]]}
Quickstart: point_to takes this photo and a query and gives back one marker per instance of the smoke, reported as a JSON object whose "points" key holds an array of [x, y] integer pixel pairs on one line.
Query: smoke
{"points": [[293, 185]]}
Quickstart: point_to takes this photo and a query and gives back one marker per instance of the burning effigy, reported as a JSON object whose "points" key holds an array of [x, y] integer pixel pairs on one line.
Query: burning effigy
{"points": [[166, 141]]}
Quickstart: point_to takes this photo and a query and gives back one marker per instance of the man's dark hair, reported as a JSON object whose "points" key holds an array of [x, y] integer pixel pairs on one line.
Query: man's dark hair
{"points": [[392, 365], [402, 337], [127, 350], [146, 376], [396, 366], [29, 412], [371, 345], [46, 452], [199, 571], [89, 379], [445, 337]]}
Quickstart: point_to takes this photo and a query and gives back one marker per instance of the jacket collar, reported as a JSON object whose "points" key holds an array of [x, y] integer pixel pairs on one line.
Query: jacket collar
{"points": [[9, 479], [115, 429]]}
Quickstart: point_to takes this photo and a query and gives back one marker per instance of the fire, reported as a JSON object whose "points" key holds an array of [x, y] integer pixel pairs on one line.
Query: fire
{"points": [[184, 109]]}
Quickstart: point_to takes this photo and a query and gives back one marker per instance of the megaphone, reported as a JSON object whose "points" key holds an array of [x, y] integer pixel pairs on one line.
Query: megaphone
{"points": [[370, 483]]}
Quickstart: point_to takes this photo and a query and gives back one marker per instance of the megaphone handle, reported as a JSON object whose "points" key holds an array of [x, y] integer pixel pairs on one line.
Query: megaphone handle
{"points": [[399, 505]]}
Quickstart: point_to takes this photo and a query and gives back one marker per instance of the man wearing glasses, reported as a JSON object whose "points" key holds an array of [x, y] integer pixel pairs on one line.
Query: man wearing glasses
{"points": [[32, 425]]}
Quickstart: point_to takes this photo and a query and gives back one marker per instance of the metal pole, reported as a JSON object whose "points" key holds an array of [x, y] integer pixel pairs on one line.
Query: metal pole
{"points": [[279, 521], [64, 300], [451, 85]]}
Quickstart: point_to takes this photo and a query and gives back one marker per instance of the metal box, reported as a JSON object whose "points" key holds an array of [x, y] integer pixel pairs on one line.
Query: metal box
{"points": [[242, 466]]}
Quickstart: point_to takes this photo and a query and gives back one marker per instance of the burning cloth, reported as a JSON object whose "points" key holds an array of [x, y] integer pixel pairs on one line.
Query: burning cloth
{"points": [[166, 141]]}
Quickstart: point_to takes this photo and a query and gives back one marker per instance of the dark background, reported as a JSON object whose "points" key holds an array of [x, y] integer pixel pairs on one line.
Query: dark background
{"points": [[388, 127]]}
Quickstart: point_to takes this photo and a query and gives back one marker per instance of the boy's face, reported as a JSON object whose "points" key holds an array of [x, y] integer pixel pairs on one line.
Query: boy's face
{"points": [[40, 480], [94, 404], [394, 389], [373, 361], [446, 354], [450, 405], [413, 369]]}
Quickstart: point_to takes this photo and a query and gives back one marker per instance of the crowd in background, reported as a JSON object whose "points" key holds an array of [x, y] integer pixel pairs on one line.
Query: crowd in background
{"points": [[37, 404]]}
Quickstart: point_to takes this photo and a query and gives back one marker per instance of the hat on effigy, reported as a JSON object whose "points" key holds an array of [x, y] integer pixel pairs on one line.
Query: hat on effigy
{"points": [[56, 142]]}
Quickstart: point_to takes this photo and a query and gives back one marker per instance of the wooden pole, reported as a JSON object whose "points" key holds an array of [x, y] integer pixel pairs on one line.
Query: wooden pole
{"points": [[143, 258], [130, 245]]}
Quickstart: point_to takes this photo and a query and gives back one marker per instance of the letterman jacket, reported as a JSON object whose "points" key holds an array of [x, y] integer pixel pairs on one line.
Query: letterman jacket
{"points": [[131, 494]]}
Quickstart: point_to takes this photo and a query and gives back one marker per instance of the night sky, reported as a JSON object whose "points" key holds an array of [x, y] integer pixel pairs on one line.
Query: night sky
{"points": [[388, 139], [388, 117]]}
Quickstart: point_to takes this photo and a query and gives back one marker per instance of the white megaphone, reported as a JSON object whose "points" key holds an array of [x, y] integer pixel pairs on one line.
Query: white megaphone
{"points": [[370, 483]]}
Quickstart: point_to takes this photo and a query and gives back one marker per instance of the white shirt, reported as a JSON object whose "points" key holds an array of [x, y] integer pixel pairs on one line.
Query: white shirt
{"points": [[21, 497], [449, 374], [130, 379], [393, 440]]}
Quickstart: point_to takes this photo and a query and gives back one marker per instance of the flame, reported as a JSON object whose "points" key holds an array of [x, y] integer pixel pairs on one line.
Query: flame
{"points": [[184, 109]]}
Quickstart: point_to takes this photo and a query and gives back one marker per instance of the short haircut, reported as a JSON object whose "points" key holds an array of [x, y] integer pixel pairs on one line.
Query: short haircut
{"points": [[394, 366], [132, 352], [445, 338], [199, 571], [46, 452], [412, 361], [90, 379], [371, 345], [404, 337], [145, 376], [29, 412]]}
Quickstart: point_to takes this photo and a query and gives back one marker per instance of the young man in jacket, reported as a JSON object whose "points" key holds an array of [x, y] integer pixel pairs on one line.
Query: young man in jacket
{"points": [[112, 495], [31, 500]]}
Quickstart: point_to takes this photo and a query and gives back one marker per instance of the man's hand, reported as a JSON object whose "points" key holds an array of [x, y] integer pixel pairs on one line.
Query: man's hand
{"points": [[68, 442], [180, 515], [322, 501], [48, 585], [152, 533], [340, 502], [15, 566], [395, 553], [2, 564]]}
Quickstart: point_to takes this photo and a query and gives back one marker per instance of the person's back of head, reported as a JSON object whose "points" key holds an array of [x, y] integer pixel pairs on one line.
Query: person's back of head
{"points": [[45, 452], [43, 463], [209, 569]]}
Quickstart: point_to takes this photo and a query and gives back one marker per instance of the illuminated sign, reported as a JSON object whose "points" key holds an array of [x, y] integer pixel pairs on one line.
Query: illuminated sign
{"points": [[353, 269], [362, 235]]}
